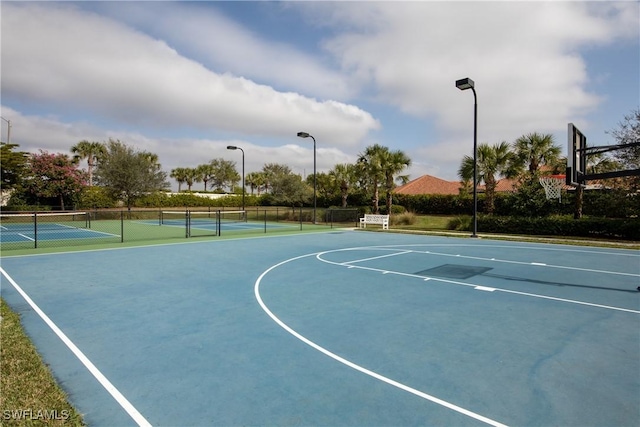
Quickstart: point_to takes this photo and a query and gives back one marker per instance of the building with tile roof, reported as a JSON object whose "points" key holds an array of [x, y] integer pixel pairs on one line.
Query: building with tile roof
{"points": [[428, 184]]}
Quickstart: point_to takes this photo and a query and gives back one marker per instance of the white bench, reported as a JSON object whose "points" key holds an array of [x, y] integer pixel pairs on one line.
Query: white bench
{"points": [[382, 220]]}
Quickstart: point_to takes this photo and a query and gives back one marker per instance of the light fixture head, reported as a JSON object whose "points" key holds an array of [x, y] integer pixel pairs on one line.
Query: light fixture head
{"points": [[464, 84], [303, 135], [231, 147]]}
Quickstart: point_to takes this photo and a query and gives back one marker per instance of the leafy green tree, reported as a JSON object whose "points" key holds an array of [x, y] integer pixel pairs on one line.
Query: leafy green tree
{"points": [[90, 151], [285, 187], [271, 172], [224, 174], [129, 174], [493, 160], [628, 132], [180, 175], [290, 190], [323, 185], [54, 176], [13, 165]]}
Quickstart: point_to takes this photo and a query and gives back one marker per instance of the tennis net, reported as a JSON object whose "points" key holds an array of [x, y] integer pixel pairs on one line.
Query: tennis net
{"points": [[30, 222], [201, 223]]}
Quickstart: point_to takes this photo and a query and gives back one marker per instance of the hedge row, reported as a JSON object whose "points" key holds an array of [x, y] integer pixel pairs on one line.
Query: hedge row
{"points": [[605, 228], [611, 204]]}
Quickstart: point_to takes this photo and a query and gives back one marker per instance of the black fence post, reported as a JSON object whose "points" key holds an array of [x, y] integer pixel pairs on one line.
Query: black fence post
{"points": [[35, 230]]}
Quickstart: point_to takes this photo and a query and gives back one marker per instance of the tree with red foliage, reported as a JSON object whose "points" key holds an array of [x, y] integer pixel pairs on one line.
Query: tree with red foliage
{"points": [[54, 176]]}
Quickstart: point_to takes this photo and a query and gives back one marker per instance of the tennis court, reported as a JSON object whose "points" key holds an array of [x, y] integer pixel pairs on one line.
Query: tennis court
{"points": [[17, 228], [338, 328], [21, 231]]}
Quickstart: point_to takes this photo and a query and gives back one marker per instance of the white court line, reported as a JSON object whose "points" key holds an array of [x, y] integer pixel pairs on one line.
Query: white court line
{"points": [[454, 282], [113, 391], [402, 249], [485, 288], [359, 368], [376, 257], [506, 261]]}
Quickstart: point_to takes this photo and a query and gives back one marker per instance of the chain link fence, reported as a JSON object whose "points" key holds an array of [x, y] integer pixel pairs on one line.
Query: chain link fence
{"points": [[35, 230]]}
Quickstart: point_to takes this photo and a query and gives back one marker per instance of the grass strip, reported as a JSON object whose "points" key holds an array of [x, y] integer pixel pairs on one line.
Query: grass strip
{"points": [[29, 395]]}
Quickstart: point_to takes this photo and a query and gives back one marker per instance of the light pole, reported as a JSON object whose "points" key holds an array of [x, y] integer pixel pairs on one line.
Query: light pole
{"points": [[233, 147], [306, 135], [464, 84], [8, 129]]}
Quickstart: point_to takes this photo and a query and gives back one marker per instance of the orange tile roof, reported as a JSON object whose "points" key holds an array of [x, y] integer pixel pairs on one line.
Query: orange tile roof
{"points": [[428, 184], [505, 184]]}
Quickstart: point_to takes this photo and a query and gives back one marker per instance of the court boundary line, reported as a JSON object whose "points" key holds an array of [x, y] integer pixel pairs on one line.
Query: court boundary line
{"points": [[99, 376], [183, 242], [350, 264], [357, 367]]}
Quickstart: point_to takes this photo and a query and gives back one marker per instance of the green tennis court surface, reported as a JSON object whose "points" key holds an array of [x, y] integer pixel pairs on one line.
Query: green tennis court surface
{"points": [[25, 231], [338, 328]]}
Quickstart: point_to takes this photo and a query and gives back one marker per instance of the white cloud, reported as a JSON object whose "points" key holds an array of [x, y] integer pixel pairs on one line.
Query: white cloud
{"points": [[149, 76], [76, 61], [201, 31], [34, 133], [523, 57]]}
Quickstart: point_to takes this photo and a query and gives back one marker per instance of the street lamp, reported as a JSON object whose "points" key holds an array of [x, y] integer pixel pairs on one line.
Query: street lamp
{"points": [[464, 84], [233, 147], [306, 135], [8, 129]]}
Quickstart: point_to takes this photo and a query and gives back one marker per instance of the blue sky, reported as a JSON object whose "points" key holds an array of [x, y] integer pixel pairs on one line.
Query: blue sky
{"points": [[186, 79]]}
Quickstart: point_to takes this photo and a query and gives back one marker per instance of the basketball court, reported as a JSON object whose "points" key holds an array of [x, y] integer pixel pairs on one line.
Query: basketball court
{"points": [[338, 328]]}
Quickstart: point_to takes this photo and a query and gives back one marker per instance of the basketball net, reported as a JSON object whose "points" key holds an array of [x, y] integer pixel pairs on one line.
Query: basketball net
{"points": [[553, 186]]}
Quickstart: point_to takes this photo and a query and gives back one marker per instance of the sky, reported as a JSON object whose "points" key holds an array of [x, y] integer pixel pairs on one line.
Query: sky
{"points": [[186, 79]]}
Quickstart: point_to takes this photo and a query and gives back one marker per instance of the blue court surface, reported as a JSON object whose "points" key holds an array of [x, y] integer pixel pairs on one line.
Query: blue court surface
{"points": [[48, 232], [341, 328]]}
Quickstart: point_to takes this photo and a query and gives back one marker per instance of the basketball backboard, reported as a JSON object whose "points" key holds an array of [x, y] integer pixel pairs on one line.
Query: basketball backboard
{"points": [[576, 156]]}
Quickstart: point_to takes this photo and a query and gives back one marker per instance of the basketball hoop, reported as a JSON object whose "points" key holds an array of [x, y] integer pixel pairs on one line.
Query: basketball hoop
{"points": [[553, 186]]}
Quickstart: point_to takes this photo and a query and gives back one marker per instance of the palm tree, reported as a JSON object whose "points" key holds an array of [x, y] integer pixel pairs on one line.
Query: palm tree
{"points": [[191, 176], [272, 171], [180, 175], [380, 166], [371, 168], [255, 180], [206, 172], [394, 163], [493, 160], [90, 151], [343, 176], [535, 150], [600, 163]]}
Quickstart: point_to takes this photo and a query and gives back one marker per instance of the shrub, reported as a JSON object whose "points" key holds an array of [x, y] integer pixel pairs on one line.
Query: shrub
{"points": [[609, 228], [460, 223], [406, 218], [96, 198]]}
